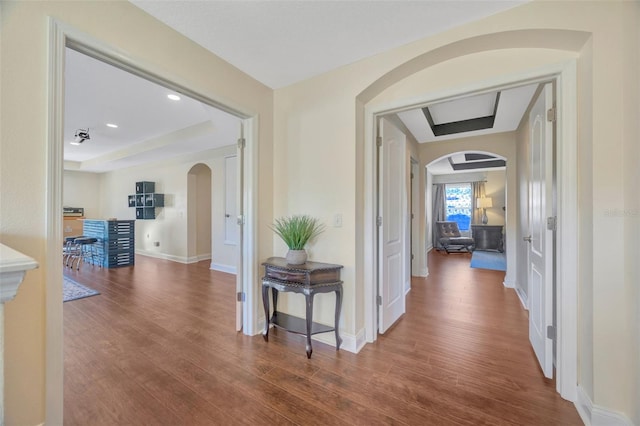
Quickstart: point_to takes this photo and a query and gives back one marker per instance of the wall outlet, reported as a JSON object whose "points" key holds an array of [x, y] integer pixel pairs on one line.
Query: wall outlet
{"points": [[156, 243]]}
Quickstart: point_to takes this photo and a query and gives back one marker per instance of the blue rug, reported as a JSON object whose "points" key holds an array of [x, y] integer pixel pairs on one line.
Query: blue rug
{"points": [[71, 290], [489, 260]]}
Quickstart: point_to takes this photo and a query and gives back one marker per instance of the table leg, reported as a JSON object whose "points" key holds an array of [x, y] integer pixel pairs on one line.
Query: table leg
{"points": [[337, 320], [274, 294], [309, 323], [265, 303]]}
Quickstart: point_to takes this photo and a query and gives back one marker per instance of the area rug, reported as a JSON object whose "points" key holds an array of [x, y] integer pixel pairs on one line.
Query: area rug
{"points": [[71, 290], [489, 260]]}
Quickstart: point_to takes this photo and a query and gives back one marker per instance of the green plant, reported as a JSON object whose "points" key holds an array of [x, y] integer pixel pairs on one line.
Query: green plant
{"points": [[297, 230]]}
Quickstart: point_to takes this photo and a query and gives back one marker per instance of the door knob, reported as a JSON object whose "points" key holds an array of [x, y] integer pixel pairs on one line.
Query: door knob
{"points": [[528, 239]]}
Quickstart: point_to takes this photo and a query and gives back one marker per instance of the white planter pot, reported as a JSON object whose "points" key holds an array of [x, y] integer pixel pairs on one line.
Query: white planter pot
{"points": [[296, 257]]}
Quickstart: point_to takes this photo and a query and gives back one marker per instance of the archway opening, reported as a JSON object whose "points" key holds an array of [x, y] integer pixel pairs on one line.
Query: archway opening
{"points": [[199, 230]]}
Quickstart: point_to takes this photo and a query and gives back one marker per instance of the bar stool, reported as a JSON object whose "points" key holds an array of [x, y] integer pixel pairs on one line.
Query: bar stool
{"points": [[87, 250], [70, 250]]}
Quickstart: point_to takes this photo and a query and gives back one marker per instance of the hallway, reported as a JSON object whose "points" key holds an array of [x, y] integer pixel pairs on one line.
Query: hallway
{"points": [[158, 346]]}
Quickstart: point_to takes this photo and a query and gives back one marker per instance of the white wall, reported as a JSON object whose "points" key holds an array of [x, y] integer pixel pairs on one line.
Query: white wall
{"points": [[170, 228], [81, 189]]}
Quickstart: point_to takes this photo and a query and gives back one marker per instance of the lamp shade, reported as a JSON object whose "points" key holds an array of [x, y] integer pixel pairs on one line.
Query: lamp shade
{"points": [[483, 203]]}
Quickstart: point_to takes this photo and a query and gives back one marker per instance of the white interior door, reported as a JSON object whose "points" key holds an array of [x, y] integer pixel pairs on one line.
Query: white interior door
{"points": [[239, 226], [392, 192], [540, 238]]}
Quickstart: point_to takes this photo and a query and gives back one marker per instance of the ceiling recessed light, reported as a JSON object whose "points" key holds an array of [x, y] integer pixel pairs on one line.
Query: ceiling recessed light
{"points": [[113, 126], [173, 97]]}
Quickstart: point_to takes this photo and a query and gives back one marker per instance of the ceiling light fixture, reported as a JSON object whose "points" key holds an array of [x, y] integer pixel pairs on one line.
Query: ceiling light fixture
{"points": [[113, 126], [173, 97], [80, 136]]}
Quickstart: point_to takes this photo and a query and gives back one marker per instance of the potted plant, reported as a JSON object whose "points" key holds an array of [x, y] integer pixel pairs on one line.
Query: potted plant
{"points": [[296, 231]]}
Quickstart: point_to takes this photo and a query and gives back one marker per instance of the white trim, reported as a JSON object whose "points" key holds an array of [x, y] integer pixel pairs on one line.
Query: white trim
{"points": [[509, 283], [201, 257], [594, 415], [253, 303], [223, 268], [61, 35], [423, 273], [165, 256], [567, 236], [350, 342], [523, 297], [565, 73], [54, 358]]}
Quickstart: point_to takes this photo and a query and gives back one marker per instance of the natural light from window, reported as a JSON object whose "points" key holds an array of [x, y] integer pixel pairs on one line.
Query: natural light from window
{"points": [[458, 204]]}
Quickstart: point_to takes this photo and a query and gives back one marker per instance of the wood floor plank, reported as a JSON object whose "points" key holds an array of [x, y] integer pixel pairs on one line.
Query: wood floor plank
{"points": [[158, 346]]}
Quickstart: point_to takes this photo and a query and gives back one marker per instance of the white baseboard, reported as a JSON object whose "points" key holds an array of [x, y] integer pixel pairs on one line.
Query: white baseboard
{"points": [[509, 283], [178, 259], [423, 273], [593, 415], [351, 343], [223, 268], [523, 298]]}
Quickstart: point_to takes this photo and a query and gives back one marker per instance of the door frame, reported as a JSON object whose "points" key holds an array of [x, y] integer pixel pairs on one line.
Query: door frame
{"points": [[62, 35], [565, 75]]}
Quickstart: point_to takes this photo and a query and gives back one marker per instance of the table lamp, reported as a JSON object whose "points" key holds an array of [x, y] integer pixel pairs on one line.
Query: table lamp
{"points": [[484, 203]]}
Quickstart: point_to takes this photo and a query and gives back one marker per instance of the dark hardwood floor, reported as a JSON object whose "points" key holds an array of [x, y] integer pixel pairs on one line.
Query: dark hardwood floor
{"points": [[158, 347]]}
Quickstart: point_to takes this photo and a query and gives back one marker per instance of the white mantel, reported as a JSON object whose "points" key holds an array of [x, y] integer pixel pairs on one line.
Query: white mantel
{"points": [[13, 266]]}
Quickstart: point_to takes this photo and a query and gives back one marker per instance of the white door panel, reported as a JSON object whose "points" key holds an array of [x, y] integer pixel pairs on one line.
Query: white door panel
{"points": [[237, 224], [394, 211], [540, 238]]}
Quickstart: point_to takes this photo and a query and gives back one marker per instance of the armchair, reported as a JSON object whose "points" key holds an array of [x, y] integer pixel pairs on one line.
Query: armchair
{"points": [[451, 239]]}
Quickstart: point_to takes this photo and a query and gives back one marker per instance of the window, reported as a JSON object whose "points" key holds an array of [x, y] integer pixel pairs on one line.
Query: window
{"points": [[458, 204]]}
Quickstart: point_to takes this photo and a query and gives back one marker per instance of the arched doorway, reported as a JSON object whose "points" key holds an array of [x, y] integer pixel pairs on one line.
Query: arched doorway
{"points": [[432, 74], [199, 230], [475, 181]]}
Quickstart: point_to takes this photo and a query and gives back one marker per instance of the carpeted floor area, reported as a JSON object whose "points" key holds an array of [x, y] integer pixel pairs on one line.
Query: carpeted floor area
{"points": [[489, 260], [72, 290]]}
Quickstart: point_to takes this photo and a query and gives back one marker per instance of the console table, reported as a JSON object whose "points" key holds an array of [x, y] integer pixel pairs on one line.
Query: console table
{"points": [[308, 279], [487, 237]]}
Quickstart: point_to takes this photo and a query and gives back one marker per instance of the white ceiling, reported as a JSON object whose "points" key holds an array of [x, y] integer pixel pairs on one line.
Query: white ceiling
{"points": [[151, 127], [511, 107], [276, 42], [282, 42]]}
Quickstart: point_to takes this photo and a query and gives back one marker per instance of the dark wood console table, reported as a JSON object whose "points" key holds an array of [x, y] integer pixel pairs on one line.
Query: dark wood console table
{"points": [[308, 279], [487, 237]]}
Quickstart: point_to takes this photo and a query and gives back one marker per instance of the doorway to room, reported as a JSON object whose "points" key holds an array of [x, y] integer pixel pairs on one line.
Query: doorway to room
{"points": [[566, 362], [64, 37]]}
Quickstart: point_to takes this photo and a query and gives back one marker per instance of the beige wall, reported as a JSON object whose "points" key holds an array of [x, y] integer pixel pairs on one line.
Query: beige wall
{"points": [[322, 117], [24, 79], [82, 189], [203, 208], [170, 228]]}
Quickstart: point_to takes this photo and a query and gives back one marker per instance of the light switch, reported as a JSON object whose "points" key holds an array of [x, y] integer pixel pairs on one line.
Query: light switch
{"points": [[337, 220]]}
